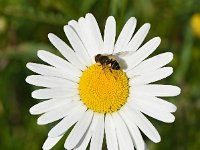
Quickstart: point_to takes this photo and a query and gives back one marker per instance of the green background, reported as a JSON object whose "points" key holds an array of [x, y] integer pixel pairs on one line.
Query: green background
{"points": [[24, 25]]}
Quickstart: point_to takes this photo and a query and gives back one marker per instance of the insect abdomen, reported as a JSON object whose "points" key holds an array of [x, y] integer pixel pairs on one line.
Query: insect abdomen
{"points": [[115, 65]]}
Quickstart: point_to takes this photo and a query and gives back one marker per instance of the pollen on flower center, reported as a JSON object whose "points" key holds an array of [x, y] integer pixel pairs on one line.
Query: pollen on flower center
{"points": [[103, 90]]}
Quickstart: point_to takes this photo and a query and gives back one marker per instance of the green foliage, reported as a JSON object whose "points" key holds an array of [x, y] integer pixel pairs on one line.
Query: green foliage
{"points": [[24, 26]]}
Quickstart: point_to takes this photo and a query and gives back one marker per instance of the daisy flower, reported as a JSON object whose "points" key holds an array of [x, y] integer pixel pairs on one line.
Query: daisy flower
{"points": [[97, 97]]}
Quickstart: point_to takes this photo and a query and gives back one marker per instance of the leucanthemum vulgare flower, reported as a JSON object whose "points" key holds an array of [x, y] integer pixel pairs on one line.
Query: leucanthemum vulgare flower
{"points": [[99, 98]]}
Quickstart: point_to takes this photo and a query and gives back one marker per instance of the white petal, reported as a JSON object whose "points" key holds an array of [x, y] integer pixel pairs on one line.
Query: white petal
{"points": [[54, 93], [74, 24], [143, 123], [50, 142], [59, 113], [109, 35], [83, 30], [66, 51], [95, 31], [42, 69], [156, 90], [152, 111], [134, 131], [87, 38], [77, 45], [151, 76], [50, 71], [125, 35], [138, 38], [58, 63], [123, 136], [98, 133], [50, 82], [82, 145], [155, 102], [79, 130], [84, 141], [71, 118], [80, 31], [151, 64], [111, 137], [143, 52], [49, 105]]}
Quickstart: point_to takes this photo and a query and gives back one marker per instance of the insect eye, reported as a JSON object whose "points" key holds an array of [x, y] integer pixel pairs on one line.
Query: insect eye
{"points": [[97, 57]]}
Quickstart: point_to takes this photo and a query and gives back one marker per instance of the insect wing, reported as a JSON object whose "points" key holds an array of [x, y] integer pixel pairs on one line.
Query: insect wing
{"points": [[124, 53]]}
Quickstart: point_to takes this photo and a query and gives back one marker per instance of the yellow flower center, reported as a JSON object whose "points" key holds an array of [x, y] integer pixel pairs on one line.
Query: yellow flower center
{"points": [[103, 90]]}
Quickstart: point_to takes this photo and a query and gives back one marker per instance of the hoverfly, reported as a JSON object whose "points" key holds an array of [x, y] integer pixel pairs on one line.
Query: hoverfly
{"points": [[111, 60]]}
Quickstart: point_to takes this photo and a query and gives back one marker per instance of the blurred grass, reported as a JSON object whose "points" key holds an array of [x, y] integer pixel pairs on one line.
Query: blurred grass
{"points": [[24, 26]]}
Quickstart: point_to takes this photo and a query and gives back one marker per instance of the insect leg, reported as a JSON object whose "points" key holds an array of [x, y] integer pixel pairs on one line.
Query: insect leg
{"points": [[112, 73]]}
